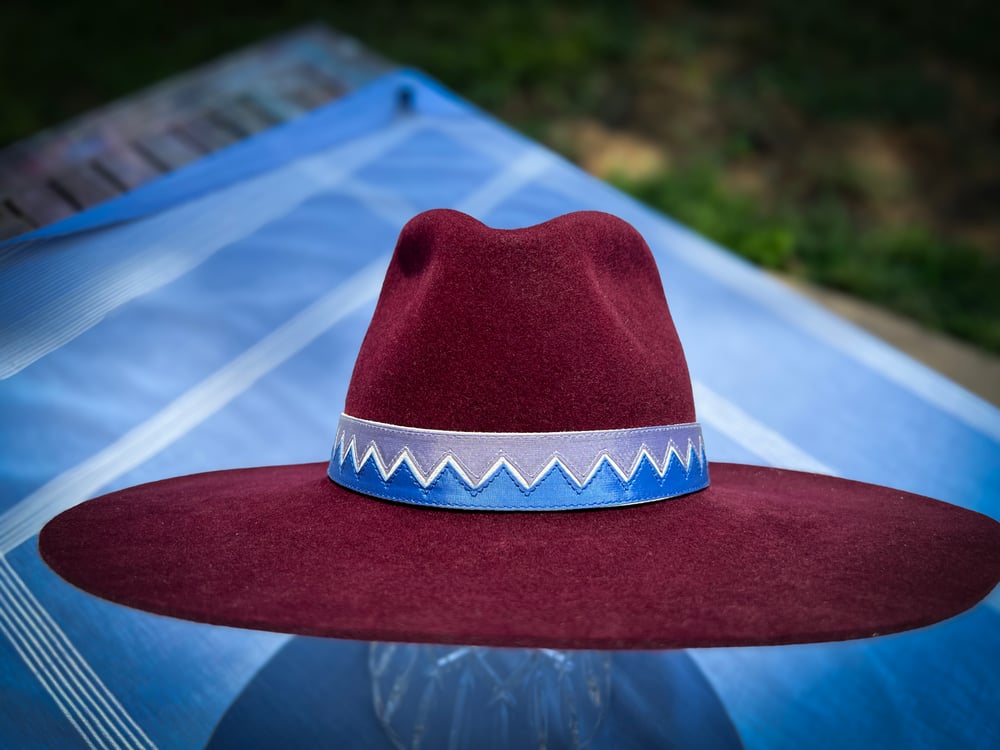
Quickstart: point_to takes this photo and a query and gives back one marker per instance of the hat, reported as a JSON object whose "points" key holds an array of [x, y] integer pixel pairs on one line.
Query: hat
{"points": [[519, 464]]}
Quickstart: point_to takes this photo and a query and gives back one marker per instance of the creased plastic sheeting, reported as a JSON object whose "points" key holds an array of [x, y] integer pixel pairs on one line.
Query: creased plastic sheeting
{"points": [[193, 354], [278, 709]]}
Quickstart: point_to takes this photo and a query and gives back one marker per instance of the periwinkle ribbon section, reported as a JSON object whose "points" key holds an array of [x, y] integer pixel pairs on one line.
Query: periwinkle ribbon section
{"points": [[518, 471]]}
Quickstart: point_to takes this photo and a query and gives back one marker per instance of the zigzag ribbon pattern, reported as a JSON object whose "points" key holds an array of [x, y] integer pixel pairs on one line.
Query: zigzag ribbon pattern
{"points": [[518, 471]]}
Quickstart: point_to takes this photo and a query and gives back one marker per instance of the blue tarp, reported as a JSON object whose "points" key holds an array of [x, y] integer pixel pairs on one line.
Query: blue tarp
{"points": [[210, 320]]}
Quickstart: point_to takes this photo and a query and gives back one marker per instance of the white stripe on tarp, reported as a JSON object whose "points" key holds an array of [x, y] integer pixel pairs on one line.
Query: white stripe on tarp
{"points": [[714, 411], [93, 728], [531, 163], [70, 659], [186, 236], [686, 246], [388, 206], [186, 412], [25, 519], [66, 708], [837, 333], [178, 417], [743, 429], [67, 667]]}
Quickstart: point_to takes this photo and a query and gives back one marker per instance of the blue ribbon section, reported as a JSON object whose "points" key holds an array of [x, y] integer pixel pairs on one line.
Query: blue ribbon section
{"points": [[555, 490]]}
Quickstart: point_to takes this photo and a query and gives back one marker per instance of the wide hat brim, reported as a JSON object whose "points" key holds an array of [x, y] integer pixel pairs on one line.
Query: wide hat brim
{"points": [[763, 556]]}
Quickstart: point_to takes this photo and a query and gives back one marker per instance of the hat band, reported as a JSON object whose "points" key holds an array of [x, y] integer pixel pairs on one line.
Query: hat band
{"points": [[518, 470]]}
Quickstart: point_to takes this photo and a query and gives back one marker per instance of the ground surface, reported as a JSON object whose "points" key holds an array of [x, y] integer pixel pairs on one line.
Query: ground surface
{"points": [[856, 147]]}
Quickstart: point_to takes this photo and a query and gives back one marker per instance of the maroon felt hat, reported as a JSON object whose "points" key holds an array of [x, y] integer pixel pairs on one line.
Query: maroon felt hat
{"points": [[519, 464]]}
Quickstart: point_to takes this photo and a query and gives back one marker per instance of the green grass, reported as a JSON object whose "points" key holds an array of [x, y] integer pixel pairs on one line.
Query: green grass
{"points": [[792, 69], [694, 197], [941, 283]]}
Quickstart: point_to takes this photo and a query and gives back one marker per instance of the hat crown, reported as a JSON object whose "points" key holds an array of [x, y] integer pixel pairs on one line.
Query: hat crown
{"points": [[555, 327]]}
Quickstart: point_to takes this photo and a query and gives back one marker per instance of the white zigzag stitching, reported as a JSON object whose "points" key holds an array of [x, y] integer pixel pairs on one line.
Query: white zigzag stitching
{"points": [[346, 447]]}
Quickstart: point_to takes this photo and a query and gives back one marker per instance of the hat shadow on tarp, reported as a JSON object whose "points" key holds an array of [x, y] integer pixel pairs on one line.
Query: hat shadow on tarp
{"points": [[316, 692]]}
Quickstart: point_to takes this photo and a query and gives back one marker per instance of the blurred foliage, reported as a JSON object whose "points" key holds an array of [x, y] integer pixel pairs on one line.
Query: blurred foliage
{"points": [[62, 57], [943, 284], [778, 89], [695, 197]]}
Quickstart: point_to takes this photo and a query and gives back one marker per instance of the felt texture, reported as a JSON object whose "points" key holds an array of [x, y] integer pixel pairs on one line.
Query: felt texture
{"points": [[560, 326], [763, 556]]}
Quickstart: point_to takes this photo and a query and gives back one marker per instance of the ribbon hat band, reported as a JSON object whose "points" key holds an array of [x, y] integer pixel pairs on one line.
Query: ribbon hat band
{"points": [[518, 471]]}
